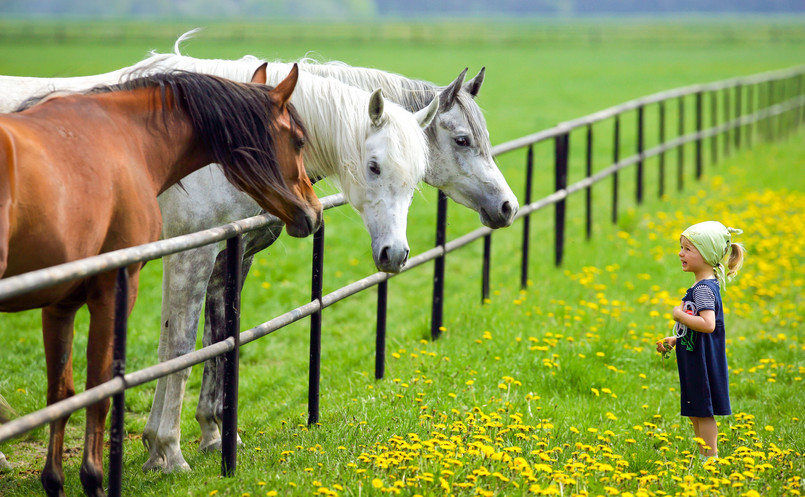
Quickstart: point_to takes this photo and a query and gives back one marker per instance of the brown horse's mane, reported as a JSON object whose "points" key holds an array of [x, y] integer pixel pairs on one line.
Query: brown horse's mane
{"points": [[234, 121]]}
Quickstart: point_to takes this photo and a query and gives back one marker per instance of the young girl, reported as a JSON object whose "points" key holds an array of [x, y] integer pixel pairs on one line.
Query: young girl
{"points": [[699, 338]]}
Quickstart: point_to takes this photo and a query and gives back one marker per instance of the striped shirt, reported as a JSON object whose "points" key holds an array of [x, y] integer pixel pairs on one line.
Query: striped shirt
{"points": [[704, 298]]}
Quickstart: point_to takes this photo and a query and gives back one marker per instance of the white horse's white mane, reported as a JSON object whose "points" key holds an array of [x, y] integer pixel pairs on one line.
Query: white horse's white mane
{"points": [[412, 94]]}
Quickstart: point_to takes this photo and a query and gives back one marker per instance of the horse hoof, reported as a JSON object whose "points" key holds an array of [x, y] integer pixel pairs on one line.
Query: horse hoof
{"points": [[52, 483], [154, 464], [178, 466], [214, 446], [92, 481]]}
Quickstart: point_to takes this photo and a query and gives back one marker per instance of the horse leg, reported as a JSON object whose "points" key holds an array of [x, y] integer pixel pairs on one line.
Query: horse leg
{"points": [[210, 400], [189, 274], [57, 331], [5, 414], [155, 415], [101, 304]]}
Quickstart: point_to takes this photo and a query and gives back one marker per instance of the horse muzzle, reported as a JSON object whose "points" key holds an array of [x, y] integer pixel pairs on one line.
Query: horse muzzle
{"points": [[306, 222]]}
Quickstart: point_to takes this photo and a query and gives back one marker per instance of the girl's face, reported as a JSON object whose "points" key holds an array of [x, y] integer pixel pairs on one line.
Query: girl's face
{"points": [[689, 256]]}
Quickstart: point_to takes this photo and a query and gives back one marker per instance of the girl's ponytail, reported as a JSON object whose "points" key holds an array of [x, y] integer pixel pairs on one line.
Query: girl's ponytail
{"points": [[736, 260]]}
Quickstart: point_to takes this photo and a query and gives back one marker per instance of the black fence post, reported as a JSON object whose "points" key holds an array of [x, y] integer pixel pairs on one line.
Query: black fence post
{"points": [[639, 185], [229, 421], [750, 109], [529, 174], [726, 141], [560, 176], [662, 142], [116, 427], [801, 94], [714, 123], [698, 135], [680, 158], [769, 121], [316, 286], [437, 314], [615, 159], [738, 115], [380, 338], [791, 114], [589, 190], [485, 270]]}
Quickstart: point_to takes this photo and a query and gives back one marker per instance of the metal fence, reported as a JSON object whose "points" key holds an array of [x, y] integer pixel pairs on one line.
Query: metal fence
{"points": [[740, 111]]}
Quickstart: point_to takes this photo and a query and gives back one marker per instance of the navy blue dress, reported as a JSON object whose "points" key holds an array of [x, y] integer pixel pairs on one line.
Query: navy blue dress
{"points": [[703, 375]]}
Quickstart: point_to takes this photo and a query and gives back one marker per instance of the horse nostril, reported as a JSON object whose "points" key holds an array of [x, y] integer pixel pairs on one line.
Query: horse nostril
{"points": [[384, 256], [506, 209], [405, 257]]}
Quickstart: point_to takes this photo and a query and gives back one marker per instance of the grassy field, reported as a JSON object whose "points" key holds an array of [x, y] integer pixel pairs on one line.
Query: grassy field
{"points": [[551, 390]]}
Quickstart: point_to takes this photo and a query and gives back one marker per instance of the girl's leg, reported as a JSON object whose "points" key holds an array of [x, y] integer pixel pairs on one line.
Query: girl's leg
{"points": [[695, 422], [707, 430]]}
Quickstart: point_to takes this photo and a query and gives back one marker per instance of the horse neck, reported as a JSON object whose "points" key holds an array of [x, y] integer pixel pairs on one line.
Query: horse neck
{"points": [[333, 137], [163, 134]]}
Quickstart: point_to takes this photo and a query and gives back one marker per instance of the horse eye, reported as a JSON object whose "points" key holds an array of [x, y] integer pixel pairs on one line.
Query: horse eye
{"points": [[374, 167], [300, 142], [462, 141]]}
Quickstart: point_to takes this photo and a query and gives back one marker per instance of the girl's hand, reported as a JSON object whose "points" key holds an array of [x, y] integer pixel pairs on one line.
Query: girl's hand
{"points": [[666, 344], [678, 312]]}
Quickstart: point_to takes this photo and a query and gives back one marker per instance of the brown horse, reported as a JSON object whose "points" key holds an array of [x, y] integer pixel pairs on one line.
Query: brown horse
{"points": [[80, 175]]}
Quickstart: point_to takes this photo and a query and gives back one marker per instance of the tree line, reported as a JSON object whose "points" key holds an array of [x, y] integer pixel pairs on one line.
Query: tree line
{"points": [[379, 9]]}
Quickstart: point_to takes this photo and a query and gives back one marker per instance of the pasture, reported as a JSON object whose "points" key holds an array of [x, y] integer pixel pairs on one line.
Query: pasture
{"points": [[556, 389]]}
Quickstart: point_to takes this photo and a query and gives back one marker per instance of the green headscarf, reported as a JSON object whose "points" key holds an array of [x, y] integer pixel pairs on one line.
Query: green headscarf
{"points": [[714, 241]]}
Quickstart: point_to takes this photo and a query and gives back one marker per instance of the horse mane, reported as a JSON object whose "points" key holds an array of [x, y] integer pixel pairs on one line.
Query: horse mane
{"points": [[412, 94], [349, 109], [234, 121]]}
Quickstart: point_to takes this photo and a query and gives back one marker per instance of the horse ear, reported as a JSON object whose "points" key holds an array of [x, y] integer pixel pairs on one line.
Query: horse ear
{"points": [[376, 107], [449, 94], [259, 75], [473, 86], [284, 90], [425, 116]]}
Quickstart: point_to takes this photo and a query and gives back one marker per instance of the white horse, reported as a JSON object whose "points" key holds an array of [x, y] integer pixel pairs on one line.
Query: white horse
{"points": [[460, 164], [376, 151]]}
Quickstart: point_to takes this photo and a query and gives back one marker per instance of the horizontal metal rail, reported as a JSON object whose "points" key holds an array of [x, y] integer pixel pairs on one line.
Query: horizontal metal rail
{"points": [[643, 101], [43, 278]]}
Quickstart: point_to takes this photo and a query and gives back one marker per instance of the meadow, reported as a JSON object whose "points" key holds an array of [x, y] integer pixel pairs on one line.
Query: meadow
{"points": [[555, 389]]}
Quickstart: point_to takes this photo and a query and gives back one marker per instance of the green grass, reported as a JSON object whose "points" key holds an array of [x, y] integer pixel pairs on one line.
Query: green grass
{"points": [[530, 86]]}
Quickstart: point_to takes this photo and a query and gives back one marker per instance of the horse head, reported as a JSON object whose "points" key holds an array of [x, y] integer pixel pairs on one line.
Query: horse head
{"points": [[393, 161], [461, 163], [302, 212]]}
